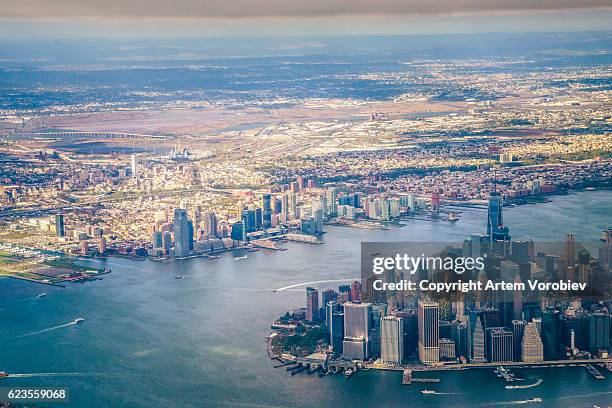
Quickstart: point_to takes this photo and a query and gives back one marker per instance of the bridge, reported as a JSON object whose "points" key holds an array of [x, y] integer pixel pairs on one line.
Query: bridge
{"points": [[95, 135]]}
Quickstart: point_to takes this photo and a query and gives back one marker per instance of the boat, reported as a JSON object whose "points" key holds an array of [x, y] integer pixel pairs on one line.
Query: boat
{"points": [[178, 277], [535, 400], [3, 374], [428, 392], [79, 320], [42, 294], [452, 217], [348, 372]]}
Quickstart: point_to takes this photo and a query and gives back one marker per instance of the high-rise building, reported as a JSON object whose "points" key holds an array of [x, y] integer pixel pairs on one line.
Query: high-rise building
{"points": [[500, 347], [210, 225], [166, 242], [478, 341], [181, 233], [102, 246], [267, 210], [292, 201], [532, 349], [336, 326], [598, 332], [429, 328], [312, 304], [356, 330], [59, 225], [332, 201], [496, 230], [238, 233], [518, 330], [391, 340], [356, 291], [135, 167], [447, 349]]}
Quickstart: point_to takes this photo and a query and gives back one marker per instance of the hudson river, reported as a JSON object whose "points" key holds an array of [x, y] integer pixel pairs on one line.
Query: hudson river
{"points": [[150, 340]]}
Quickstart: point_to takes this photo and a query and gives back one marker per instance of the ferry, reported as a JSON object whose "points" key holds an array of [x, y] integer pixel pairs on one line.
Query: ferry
{"points": [[3, 374], [428, 392], [79, 320]]}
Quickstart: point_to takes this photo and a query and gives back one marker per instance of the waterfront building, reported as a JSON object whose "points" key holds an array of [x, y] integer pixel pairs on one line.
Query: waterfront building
{"points": [[357, 327], [447, 349], [391, 340], [336, 329], [332, 201], [500, 346], [238, 233], [312, 304], [478, 340], [166, 242], [181, 233], [267, 210], [496, 231], [157, 239], [429, 324], [102, 246], [532, 349], [598, 332], [210, 225], [518, 329]]}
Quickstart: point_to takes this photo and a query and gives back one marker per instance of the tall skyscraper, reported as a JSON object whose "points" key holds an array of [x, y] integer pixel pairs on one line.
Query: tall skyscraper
{"points": [[496, 230], [356, 291], [478, 341], [267, 210], [312, 304], [518, 330], [500, 348], [332, 201], [335, 324], [356, 330], [59, 225], [429, 328], [181, 233], [391, 340], [238, 232], [135, 167], [292, 201], [210, 225], [532, 349]]}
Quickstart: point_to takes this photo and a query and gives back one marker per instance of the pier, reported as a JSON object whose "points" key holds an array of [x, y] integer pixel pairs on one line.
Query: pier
{"points": [[408, 379], [594, 372]]}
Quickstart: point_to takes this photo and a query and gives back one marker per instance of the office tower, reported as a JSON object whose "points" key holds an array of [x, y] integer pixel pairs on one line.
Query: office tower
{"points": [[318, 220], [285, 205], [210, 225], [249, 219], [496, 231], [166, 242], [239, 210], [292, 206], [518, 330], [267, 210], [356, 291], [135, 166], [300, 182], [447, 349], [356, 330], [336, 329], [84, 247], [238, 233], [598, 332], [277, 206], [460, 336], [328, 295], [435, 202], [429, 321], [605, 250], [569, 253], [478, 341], [312, 304], [294, 187], [532, 349], [59, 225], [391, 340], [190, 231], [258, 219], [508, 271], [499, 345], [550, 333], [332, 201], [102, 246], [181, 233], [157, 239]]}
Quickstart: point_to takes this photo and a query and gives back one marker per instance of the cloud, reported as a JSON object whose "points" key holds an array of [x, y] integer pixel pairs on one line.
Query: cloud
{"points": [[274, 8]]}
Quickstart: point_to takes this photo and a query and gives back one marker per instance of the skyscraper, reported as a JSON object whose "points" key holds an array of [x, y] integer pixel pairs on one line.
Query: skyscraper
{"points": [[181, 233], [210, 225], [238, 232], [478, 341], [518, 331], [135, 167], [496, 230], [332, 201], [59, 225], [429, 327], [532, 349], [312, 304], [356, 330], [500, 348], [391, 340], [267, 210]]}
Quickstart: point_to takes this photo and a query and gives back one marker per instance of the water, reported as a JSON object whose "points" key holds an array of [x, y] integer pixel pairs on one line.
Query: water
{"points": [[150, 340]]}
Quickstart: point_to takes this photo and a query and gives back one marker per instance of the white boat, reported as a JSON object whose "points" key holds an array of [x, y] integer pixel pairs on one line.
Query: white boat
{"points": [[178, 277], [42, 295], [79, 320], [535, 400], [428, 392]]}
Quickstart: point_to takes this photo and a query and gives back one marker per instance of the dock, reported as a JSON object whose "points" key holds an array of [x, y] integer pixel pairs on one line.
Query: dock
{"points": [[408, 379], [594, 372]]}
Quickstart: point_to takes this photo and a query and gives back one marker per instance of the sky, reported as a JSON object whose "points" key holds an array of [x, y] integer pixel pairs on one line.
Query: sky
{"points": [[176, 18]]}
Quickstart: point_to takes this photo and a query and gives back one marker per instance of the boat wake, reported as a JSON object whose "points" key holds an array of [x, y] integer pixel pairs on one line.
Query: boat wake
{"points": [[47, 330], [313, 283], [31, 375], [521, 387]]}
